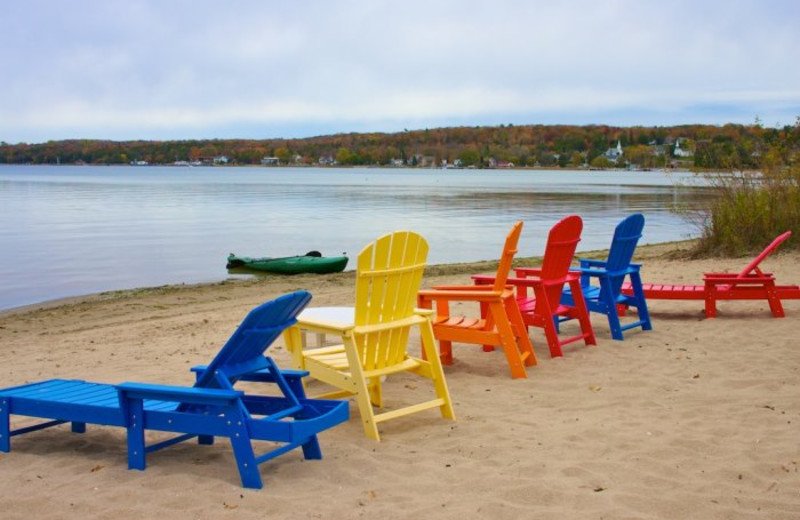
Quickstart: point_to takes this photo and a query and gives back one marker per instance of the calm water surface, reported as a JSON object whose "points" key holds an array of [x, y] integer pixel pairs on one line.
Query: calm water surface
{"points": [[74, 230]]}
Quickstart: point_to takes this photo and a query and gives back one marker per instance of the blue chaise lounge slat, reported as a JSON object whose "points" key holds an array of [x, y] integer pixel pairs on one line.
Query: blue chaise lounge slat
{"points": [[210, 408]]}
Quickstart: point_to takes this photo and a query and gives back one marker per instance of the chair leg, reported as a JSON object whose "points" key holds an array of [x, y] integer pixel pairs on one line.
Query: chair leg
{"points": [[311, 448], [610, 310], [507, 340], [641, 302], [365, 410], [243, 450], [361, 390], [5, 425], [548, 323], [135, 433], [376, 392], [583, 315], [775, 304], [520, 331], [293, 338], [439, 384], [710, 300], [446, 352], [486, 315]]}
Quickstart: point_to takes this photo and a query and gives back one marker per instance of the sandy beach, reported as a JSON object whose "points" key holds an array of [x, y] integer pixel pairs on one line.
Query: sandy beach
{"points": [[698, 418]]}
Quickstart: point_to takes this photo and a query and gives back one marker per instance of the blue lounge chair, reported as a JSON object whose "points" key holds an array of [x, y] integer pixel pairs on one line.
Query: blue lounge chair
{"points": [[607, 298], [208, 409]]}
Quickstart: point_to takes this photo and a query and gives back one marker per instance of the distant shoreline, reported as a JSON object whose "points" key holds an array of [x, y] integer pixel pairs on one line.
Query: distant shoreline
{"points": [[371, 167]]}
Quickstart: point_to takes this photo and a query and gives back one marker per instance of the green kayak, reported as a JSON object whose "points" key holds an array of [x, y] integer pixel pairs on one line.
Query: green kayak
{"points": [[311, 262]]}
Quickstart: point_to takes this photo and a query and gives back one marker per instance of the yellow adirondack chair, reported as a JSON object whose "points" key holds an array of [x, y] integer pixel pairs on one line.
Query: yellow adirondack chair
{"points": [[374, 335]]}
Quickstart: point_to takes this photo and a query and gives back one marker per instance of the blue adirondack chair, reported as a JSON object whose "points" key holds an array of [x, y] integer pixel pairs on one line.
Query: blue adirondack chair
{"points": [[212, 407], [607, 297]]}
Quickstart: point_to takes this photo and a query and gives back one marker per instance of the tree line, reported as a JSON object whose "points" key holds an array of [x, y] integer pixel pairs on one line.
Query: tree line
{"points": [[702, 146]]}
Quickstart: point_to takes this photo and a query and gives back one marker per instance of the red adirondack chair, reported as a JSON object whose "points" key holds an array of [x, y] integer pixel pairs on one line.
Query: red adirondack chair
{"points": [[751, 283], [542, 308]]}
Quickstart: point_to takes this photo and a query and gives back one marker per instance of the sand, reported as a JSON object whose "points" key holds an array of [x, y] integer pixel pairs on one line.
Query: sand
{"points": [[697, 418]]}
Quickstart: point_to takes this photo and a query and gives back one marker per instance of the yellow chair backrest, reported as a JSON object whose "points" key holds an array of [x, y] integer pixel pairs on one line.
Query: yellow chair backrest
{"points": [[388, 276]]}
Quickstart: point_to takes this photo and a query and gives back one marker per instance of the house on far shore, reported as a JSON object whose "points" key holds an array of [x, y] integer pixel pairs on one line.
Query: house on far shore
{"points": [[270, 161], [222, 160], [493, 163], [680, 152], [613, 154]]}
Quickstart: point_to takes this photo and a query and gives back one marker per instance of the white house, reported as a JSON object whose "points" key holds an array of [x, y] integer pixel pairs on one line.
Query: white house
{"points": [[612, 154], [680, 152]]}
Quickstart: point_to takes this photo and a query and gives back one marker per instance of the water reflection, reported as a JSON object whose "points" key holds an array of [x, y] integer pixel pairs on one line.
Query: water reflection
{"points": [[75, 230]]}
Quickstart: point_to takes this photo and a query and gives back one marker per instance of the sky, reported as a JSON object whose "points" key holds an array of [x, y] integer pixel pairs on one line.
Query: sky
{"points": [[262, 69]]}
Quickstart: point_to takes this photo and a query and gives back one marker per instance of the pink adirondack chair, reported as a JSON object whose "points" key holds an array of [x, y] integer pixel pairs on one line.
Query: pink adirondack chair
{"points": [[542, 308]]}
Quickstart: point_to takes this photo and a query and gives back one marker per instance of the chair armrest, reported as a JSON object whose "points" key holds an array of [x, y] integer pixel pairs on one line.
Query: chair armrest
{"points": [[533, 282], [179, 394], [396, 324], [263, 375], [735, 279], [589, 271], [523, 282], [528, 271], [482, 280], [324, 327], [460, 287], [589, 262], [461, 294]]}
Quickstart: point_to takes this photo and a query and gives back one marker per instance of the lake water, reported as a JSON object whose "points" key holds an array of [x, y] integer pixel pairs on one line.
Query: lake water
{"points": [[72, 230]]}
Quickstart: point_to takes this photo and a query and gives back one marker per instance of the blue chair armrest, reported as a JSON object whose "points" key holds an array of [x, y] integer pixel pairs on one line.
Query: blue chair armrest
{"points": [[180, 394], [589, 262], [262, 376], [588, 271]]}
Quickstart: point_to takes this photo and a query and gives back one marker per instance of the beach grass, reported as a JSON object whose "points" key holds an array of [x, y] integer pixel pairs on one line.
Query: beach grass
{"points": [[750, 208]]}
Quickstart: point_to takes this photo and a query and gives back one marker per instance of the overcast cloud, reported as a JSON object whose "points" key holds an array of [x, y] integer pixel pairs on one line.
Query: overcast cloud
{"points": [[161, 69]]}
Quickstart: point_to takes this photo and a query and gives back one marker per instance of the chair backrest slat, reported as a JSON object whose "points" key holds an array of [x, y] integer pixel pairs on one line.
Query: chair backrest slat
{"points": [[507, 257], [560, 249], [388, 277], [244, 350], [753, 266], [623, 246]]}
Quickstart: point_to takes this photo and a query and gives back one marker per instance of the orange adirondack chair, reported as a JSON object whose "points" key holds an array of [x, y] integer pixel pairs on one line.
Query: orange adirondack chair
{"points": [[751, 283], [543, 308], [501, 323]]}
